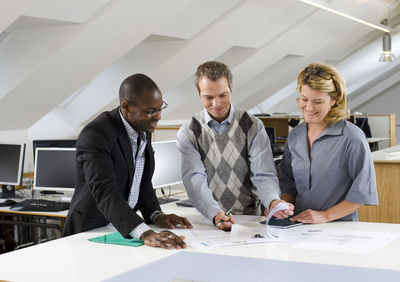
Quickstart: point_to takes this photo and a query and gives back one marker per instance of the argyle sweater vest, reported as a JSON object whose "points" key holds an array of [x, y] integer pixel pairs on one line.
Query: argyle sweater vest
{"points": [[225, 158]]}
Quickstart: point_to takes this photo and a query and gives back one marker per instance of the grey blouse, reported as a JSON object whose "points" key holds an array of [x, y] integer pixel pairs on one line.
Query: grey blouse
{"points": [[339, 167]]}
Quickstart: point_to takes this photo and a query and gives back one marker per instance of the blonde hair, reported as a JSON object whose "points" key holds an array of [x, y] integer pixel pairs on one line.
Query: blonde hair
{"points": [[324, 77]]}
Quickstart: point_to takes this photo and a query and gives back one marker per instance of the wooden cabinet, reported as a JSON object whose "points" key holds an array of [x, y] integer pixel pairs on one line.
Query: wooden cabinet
{"points": [[281, 125], [165, 132], [387, 170]]}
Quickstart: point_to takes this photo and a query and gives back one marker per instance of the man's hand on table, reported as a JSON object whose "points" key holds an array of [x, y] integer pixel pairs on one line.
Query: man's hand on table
{"points": [[163, 239]]}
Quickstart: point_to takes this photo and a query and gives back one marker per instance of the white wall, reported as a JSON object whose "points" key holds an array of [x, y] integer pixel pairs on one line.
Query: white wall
{"points": [[55, 128], [385, 103]]}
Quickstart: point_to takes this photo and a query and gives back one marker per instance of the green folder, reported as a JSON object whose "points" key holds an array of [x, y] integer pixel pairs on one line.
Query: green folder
{"points": [[117, 239]]}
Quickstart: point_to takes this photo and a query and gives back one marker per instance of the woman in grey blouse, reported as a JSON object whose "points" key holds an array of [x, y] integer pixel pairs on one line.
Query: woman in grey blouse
{"points": [[326, 169]]}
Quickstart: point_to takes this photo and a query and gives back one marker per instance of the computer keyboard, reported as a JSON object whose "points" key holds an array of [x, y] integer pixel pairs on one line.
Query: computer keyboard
{"points": [[163, 201], [40, 205], [185, 203]]}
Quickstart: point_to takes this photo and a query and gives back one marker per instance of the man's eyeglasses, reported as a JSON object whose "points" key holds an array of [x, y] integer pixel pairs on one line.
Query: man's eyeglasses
{"points": [[153, 112]]}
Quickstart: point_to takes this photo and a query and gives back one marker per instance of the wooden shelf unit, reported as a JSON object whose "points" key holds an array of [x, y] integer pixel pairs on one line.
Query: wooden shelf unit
{"points": [[281, 125]]}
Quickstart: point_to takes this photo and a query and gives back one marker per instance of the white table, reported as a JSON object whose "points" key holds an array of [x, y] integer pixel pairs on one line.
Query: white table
{"points": [[388, 155], [377, 139], [373, 142], [74, 258]]}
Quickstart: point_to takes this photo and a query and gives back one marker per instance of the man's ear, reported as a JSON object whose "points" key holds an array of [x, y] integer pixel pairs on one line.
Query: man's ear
{"points": [[124, 105]]}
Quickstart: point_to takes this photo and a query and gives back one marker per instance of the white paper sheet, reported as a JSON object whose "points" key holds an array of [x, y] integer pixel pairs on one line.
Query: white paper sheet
{"points": [[241, 234], [213, 237], [216, 267], [347, 241], [240, 219], [296, 234], [278, 207], [204, 238]]}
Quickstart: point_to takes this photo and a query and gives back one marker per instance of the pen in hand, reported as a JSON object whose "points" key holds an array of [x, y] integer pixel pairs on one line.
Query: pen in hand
{"points": [[226, 214]]}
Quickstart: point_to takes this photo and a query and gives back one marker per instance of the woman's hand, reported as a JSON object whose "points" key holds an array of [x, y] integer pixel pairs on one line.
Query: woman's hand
{"points": [[311, 216]]}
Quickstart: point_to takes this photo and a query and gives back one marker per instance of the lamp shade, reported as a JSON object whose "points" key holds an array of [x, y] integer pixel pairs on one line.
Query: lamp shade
{"points": [[387, 55]]}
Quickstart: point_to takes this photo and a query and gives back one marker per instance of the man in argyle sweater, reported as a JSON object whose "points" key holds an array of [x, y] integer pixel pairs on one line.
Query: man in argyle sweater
{"points": [[226, 155]]}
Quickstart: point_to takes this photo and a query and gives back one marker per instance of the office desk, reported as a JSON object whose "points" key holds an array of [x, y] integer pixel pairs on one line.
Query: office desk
{"points": [[59, 215], [33, 215], [74, 258], [34, 220]]}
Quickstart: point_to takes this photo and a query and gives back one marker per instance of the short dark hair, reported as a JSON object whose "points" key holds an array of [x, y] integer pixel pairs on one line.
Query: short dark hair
{"points": [[135, 85], [213, 70]]}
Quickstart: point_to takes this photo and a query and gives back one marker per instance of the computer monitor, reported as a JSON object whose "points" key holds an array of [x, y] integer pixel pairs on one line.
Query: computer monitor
{"points": [[55, 170], [271, 134], [167, 171], [11, 167], [55, 143]]}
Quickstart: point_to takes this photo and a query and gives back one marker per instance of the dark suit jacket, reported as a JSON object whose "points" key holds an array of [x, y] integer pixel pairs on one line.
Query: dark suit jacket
{"points": [[104, 176]]}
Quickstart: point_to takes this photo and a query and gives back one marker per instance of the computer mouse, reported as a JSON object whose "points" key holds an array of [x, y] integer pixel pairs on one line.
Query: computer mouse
{"points": [[18, 207], [7, 203]]}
